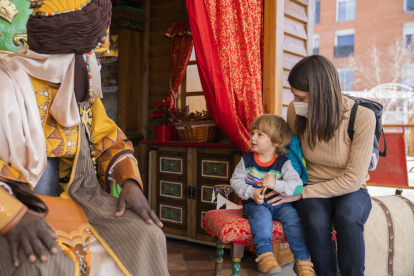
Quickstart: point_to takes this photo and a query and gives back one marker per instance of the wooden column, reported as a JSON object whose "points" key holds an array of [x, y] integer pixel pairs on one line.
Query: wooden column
{"points": [[273, 56], [143, 149], [288, 29]]}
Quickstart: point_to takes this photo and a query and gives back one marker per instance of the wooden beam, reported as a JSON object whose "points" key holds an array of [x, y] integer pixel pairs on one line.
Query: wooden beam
{"points": [[143, 153], [273, 56]]}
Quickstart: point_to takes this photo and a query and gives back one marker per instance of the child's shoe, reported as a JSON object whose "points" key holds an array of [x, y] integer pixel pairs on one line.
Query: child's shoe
{"points": [[304, 268], [267, 264]]}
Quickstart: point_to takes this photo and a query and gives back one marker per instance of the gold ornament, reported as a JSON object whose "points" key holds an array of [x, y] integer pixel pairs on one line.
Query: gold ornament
{"points": [[8, 10]]}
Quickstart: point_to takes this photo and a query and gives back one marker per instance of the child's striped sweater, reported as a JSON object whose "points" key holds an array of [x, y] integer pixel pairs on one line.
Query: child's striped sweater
{"points": [[250, 172]]}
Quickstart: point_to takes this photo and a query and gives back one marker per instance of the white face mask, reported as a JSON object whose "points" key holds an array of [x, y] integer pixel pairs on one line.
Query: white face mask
{"points": [[301, 109]]}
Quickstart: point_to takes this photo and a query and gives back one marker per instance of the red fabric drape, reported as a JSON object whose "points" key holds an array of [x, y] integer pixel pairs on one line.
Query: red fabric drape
{"points": [[227, 38], [181, 45]]}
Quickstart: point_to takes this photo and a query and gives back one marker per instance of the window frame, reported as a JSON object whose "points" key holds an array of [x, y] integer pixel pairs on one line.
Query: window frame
{"points": [[405, 7], [344, 33], [183, 94], [408, 29], [315, 36], [314, 12], [345, 70], [182, 90], [337, 10]]}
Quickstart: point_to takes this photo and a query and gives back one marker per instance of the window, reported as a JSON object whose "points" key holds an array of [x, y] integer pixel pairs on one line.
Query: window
{"points": [[407, 75], [346, 79], [344, 43], [316, 44], [408, 36], [408, 5], [345, 10], [318, 11], [191, 92]]}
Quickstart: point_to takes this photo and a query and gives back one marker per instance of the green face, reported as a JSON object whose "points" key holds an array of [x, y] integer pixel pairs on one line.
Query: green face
{"points": [[18, 26]]}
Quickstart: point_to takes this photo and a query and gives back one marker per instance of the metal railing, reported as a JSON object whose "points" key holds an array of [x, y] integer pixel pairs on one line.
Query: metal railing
{"points": [[344, 51]]}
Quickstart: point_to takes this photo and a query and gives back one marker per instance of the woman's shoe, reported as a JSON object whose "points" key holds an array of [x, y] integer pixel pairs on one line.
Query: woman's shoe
{"points": [[267, 264], [304, 268]]}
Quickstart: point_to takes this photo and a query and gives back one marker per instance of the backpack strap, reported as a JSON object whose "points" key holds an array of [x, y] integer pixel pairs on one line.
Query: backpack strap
{"points": [[384, 152], [352, 120]]}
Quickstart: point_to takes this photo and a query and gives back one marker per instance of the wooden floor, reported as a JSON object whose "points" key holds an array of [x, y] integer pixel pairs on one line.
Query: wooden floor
{"points": [[192, 259]]}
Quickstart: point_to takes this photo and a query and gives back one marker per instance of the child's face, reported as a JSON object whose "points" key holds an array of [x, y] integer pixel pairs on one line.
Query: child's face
{"points": [[261, 143]]}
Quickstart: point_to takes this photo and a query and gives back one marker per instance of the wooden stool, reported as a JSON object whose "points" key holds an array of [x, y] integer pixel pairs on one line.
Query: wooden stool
{"points": [[230, 226]]}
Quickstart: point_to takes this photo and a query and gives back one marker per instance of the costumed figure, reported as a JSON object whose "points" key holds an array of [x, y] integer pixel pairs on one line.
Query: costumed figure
{"points": [[56, 140]]}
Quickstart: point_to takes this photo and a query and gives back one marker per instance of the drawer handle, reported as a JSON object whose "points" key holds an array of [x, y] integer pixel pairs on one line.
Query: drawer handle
{"points": [[189, 191], [194, 192]]}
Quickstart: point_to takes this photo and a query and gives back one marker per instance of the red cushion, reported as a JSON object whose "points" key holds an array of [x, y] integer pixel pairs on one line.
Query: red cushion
{"points": [[232, 226]]}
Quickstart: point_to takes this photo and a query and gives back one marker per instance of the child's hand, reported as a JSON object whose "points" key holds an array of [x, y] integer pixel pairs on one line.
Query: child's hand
{"points": [[269, 181], [258, 197]]}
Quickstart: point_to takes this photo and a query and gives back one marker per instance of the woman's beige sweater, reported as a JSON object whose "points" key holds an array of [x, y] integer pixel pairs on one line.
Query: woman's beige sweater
{"points": [[339, 167]]}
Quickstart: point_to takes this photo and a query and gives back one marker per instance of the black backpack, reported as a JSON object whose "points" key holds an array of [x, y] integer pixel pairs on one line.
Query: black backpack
{"points": [[378, 110]]}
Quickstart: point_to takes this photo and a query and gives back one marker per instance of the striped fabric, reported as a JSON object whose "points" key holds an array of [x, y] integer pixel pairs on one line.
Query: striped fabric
{"points": [[57, 264], [139, 249]]}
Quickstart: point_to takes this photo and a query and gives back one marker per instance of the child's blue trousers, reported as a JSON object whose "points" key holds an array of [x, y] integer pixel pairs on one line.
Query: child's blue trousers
{"points": [[261, 219]]}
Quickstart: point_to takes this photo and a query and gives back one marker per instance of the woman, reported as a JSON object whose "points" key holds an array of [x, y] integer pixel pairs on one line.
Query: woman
{"points": [[337, 167]]}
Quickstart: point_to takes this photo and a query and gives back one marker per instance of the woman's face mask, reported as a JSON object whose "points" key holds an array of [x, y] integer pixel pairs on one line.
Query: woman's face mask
{"points": [[301, 109], [301, 102]]}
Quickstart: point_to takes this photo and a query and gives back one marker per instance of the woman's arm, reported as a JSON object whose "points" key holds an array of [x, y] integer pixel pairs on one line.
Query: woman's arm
{"points": [[238, 182], [357, 166]]}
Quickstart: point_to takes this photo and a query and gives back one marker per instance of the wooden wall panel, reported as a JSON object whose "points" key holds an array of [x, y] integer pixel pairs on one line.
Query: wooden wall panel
{"points": [[296, 11], [290, 60], [288, 35], [294, 45], [285, 77], [295, 28], [287, 96]]}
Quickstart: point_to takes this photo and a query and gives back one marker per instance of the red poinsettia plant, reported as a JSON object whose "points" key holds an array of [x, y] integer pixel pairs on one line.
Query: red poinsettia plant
{"points": [[162, 113], [183, 115]]}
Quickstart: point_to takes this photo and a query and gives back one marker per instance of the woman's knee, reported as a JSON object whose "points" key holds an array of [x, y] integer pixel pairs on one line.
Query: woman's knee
{"points": [[350, 213], [314, 215]]}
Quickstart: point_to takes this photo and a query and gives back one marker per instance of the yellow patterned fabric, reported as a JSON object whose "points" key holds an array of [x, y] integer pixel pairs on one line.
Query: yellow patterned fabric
{"points": [[109, 140], [7, 172], [52, 6], [60, 141]]}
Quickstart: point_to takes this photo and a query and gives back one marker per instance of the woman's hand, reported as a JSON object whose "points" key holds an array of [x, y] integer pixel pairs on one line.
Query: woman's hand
{"points": [[257, 196], [132, 197], [281, 199]]}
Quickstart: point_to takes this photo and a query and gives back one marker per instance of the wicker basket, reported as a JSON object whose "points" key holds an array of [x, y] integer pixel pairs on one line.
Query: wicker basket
{"points": [[199, 131]]}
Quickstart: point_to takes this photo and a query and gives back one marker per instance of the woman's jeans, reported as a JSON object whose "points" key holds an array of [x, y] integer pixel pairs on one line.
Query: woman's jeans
{"points": [[261, 219], [350, 213]]}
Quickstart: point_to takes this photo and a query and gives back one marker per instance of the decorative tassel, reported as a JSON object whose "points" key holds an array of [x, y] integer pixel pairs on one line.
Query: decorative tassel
{"points": [[88, 252]]}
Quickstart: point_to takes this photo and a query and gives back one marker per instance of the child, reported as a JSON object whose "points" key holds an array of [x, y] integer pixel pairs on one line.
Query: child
{"points": [[265, 169]]}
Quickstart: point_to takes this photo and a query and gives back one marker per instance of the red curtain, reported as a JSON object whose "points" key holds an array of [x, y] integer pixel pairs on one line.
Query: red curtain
{"points": [[181, 45], [227, 38]]}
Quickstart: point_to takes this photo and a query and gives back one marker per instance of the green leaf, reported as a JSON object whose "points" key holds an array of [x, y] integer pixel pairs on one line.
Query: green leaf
{"points": [[210, 166], [167, 212], [210, 171], [220, 166], [167, 165], [175, 212], [174, 215], [220, 172]]}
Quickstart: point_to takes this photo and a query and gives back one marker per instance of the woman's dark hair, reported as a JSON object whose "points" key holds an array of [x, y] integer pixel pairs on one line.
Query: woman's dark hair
{"points": [[318, 76]]}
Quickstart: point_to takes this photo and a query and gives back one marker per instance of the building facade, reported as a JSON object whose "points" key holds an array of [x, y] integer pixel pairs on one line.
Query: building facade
{"points": [[370, 42]]}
